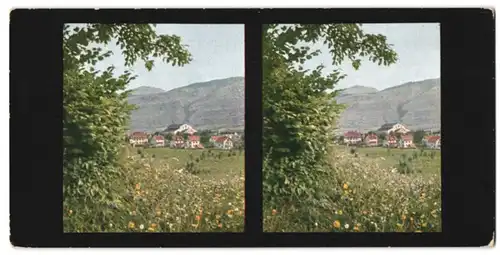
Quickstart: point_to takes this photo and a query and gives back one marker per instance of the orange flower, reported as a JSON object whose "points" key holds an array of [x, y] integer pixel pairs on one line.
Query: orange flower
{"points": [[137, 186], [229, 212], [198, 217], [336, 224], [274, 212], [346, 186], [356, 229], [220, 225], [153, 225]]}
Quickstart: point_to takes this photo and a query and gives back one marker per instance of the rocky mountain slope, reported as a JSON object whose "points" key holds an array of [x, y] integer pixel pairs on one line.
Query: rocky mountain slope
{"points": [[415, 104], [212, 104], [220, 104]]}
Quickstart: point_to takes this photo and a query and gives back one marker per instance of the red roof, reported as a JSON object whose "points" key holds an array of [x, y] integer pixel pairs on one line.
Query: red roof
{"points": [[352, 134], [159, 137], [193, 138], [371, 136], [221, 139], [433, 139], [139, 135]]}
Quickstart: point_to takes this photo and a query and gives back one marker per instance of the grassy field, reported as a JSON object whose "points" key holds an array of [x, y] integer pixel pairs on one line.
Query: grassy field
{"points": [[388, 158], [210, 167], [366, 193], [156, 193]]}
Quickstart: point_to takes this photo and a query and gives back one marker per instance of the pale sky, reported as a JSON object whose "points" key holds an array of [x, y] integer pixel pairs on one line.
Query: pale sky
{"points": [[418, 49], [218, 52]]}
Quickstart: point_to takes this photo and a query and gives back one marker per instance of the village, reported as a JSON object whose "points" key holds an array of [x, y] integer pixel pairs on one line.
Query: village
{"points": [[184, 136], [393, 135]]}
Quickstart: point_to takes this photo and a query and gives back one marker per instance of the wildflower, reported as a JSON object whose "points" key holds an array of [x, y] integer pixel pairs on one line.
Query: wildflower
{"points": [[403, 217], [220, 225], [336, 224], [197, 217], [418, 231], [315, 224], [151, 229], [356, 228], [365, 212], [70, 212], [158, 212], [229, 204], [236, 209], [137, 186], [346, 186], [339, 212], [133, 213], [110, 225], [141, 226], [131, 225], [274, 212], [229, 212], [153, 225], [346, 226]]}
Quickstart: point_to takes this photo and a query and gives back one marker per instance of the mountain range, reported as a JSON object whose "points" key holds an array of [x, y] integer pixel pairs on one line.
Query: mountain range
{"points": [[220, 104]]}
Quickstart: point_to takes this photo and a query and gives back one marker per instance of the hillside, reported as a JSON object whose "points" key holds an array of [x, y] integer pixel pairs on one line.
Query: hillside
{"points": [[220, 104], [212, 104], [415, 104]]}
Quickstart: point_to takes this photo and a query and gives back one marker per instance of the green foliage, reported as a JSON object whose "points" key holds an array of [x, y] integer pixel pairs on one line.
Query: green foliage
{"points": [[299, 112], [418, 136], [95, 108]]}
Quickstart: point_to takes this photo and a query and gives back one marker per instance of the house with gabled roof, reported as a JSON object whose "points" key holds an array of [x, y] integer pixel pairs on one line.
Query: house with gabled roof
{"points": [[394, 128]]}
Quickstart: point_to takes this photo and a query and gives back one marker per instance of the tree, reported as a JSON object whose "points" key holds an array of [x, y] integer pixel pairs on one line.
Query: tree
{"points": [[95, 107], [299, 111], [418, 136]]}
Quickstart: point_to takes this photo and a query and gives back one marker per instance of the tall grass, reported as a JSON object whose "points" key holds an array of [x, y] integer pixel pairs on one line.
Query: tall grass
{"points": [[155, 197], [361, 196]]}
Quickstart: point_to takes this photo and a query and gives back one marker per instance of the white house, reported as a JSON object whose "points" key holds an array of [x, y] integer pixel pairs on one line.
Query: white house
{"points": [[138, 139], [352, 137], [394, 128], [223, 142], [433, 142], [180, 128]]}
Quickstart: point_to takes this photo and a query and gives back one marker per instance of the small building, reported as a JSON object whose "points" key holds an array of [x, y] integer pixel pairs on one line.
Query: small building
{"points": [[193, 141], [224, 143], [352, 137], [432, 142], [177, 142], [138, 139], [406, 141], [157, 141], [390, 141], [393, 128], [371, 139]]}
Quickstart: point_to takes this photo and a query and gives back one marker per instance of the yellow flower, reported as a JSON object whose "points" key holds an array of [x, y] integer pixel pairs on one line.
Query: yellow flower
{"points": [[356, 228], [274, 212], [403, 217], [336, 224], [131, 224], [153, 225], [346, 186], [424, 224], [151, 229], [137, 186], [339, 212], [418, 231]]}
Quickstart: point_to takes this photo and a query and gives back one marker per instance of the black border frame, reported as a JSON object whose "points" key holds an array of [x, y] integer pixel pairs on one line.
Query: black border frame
{"points": [[467, 50]]}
